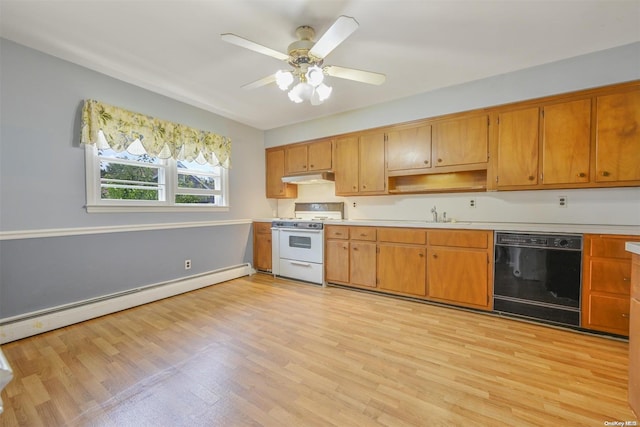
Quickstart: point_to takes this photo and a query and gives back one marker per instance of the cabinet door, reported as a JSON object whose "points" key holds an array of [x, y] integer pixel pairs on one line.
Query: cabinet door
{"points": [[518, 148], [566, 141], [319, 155], [618, 137], [262, 250], [275, 171], [458, 276], [346, 167], [402, 269], [409, 148], [363, 264], [337, 261], [461, 141], [372, 163], [634, 359], [296, 159]]}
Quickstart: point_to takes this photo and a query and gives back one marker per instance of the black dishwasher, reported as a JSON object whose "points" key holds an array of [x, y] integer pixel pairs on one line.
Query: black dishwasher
{"points": [[538, 276]]}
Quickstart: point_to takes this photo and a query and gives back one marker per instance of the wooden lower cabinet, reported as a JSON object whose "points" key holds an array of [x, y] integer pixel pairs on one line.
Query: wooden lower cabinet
{"points": [[350, 255], [634, 337], [451, 266], [262, 246], [606, 283], [458, 276], [362, 265], [336, 261], [402, 268]]}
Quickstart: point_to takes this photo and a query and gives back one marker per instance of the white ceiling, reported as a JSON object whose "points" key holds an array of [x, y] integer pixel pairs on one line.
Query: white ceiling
{"points": [[174, 47]]}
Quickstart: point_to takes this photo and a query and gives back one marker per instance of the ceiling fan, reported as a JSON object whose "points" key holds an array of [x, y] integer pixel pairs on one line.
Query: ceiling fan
{"points": [[307, 59]]}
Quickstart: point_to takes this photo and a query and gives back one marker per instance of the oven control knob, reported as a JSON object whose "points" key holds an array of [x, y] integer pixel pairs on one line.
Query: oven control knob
{"points": [[563, 243]]}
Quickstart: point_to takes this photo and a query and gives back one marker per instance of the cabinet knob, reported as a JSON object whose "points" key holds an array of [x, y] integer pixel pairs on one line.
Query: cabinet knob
{"points": [[435, 255], [426, 162], [364, 186], [626, 279], [355, 249], [421, 255], [363, 234], [625, 315], [310, 166], [582, 175], [531, 177], [338, 234], [355, 188], [605, 173], [439, 160]]}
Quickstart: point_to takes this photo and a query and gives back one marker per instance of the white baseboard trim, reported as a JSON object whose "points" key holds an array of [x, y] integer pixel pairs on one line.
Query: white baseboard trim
{"points": [[34, 323]]}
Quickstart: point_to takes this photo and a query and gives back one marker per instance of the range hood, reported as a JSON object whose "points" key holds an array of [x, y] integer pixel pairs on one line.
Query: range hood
{"points": [[310, 178]]}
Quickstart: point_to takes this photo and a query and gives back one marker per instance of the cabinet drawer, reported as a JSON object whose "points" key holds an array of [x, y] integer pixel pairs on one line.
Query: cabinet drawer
{"points": [[609, 313], [610, 247], [336, 232], [461, 239], [262, 227], [402, 235], [362, 233], [611, 275]]}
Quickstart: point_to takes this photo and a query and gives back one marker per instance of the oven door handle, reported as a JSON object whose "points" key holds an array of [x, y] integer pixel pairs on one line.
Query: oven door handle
{"points": [[301, 264], [299, 230]]}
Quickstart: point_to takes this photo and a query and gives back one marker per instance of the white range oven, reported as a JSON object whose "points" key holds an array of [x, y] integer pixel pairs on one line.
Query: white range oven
{"points": [[298, 243]]}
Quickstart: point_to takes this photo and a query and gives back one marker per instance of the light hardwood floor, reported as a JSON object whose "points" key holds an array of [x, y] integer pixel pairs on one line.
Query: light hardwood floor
{"points": [[259, 351]]}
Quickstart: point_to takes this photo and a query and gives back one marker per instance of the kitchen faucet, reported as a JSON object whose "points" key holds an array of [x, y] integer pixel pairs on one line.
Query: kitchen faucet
{"points": [[434, 211]]}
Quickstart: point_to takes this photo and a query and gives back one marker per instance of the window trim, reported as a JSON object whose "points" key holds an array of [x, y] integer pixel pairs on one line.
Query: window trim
{"points": [[95, 204]]}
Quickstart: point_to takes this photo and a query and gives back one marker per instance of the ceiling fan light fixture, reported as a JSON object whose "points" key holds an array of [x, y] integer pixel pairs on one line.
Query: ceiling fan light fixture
{"points": [[315, 75], [323, 91], [284, 79]]}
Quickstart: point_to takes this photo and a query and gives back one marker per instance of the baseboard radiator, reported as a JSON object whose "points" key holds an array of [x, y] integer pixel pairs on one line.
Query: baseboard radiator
{"points": [[26, 325]]}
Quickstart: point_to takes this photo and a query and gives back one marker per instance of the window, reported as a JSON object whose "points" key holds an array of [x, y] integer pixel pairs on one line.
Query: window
{"points": [[134, 182]]}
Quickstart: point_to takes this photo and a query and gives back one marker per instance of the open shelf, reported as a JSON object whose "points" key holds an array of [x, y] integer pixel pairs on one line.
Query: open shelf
{"points": [[475, 180]]}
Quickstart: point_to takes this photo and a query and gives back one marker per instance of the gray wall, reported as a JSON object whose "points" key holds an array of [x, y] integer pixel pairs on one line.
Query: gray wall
{"points": [[42, 187]]}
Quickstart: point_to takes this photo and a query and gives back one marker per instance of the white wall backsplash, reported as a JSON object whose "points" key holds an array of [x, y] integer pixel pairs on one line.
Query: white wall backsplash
{"points": [[609, 206]]}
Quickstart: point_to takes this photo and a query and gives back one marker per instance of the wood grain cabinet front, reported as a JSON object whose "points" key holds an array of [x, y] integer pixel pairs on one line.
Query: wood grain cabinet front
{"points": [[350, 255], [460, 267], [262, 246], [359, 164], [275, 169], [606, 283]]}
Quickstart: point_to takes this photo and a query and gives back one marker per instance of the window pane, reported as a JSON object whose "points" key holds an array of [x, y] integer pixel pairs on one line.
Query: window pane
{"points": [[193, 199], [124, 193], [195, 181], [144, 158], [130, 173]]}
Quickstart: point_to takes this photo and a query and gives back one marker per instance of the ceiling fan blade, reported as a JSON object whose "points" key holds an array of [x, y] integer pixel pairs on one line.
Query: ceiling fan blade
{"points": [[262, 82], [356, 75], [248, 44], [336, 34]]}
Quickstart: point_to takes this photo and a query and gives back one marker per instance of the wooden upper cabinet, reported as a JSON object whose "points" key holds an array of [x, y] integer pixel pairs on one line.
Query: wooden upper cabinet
{"points": [[296, 159], [319, 155], [275, 159], [409, 149], [517, 163], [314, 156], [346, 165], [461, 141], [566, 142], [372, 179], [618, 137]]}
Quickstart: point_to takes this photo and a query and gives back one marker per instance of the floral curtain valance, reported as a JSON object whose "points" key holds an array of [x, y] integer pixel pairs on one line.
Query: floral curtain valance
{"points": [[119, 129]]}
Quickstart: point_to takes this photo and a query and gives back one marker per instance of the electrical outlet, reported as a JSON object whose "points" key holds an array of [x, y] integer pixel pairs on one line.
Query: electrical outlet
{"points": [[187, 264], [472, 203], [354, 204], [563, 201]]}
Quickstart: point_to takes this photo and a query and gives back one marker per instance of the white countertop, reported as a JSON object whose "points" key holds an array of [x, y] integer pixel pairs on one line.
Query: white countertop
{"points": [[497, 226], [633, 247]]}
